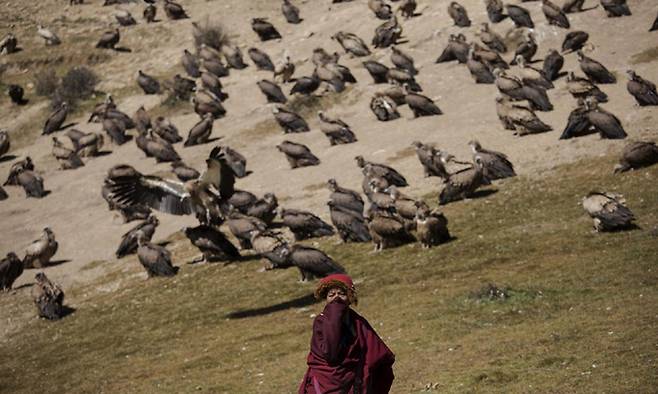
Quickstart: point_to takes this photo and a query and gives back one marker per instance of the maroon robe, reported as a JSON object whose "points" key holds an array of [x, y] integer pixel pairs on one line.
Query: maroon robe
{"points": [[347, 355]]}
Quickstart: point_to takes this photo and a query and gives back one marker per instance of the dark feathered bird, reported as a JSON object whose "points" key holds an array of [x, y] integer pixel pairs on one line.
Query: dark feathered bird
{"points": [[212, 243], [457, 49], [261, 59], [554, 14], [149, 13], [519, 118], [336, 130], [109, 39], [615, 8], [272, 91], [11, 267], [124, 18], [16, 93], [305, 224], [388, 231], [201, 131], [190, 64], [298, 155], [458, 14], [144, 229], [68, 159], [31, 182], [290, 12], [184, 172], [520, 16], [431, 227], [495, 10], [577, 124], [463, 183], [553, 63], [17, 167], [384, 108], [496, 165], [156, 147], [5, 144], [351, 225], [403, 61], [380, 9], [56, 119], [583, 88], [572, 6], [48, 298], [174, 10], [3, 194], [595, 70], [527, 49], [608, 210], [40, 251], [637, 154], [346, 198], [479, 70], [642, 90], [491, 39], [212, 84], [352, 44], [430, 159], [264, 208], [163, 128], [312, 263], [241, 226], [155, 259], [149, 84], [408, 8], [387, 33], [115, 130], [574, 41], [306, 85], [236, 161], [654, 26], [607, 124], [377, 71], [421, 105], [206, 103], [264, 29], [289, 121], [233, 56], [381, 170]]}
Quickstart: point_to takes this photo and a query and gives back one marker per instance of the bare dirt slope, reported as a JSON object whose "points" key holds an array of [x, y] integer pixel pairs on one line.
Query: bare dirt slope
{"points": [[87, 231]]}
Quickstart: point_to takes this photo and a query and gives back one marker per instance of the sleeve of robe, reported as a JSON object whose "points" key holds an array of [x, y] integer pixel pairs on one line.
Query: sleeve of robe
{"points": [[327, 329]]}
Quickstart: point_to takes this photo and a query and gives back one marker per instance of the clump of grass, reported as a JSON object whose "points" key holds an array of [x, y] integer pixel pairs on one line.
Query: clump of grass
{"points": [[77, 84], [210, 32], [491, 292], [46, 82]]}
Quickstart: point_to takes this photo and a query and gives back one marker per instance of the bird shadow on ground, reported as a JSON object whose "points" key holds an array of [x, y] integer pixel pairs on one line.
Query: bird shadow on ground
{"points": [[299, 302], [66, 126], [209, 141], [122, 49], [24, 285], [7, 158], [163, 243], [482, 193], [66, 310], [103, 153], [52, 263]]}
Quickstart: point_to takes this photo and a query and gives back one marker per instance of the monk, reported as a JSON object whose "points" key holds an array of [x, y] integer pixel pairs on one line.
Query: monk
{"points": [[347, 356]]}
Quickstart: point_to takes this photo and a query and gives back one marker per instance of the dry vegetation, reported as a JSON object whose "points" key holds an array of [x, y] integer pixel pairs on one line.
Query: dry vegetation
{"points": [[579, 316]]}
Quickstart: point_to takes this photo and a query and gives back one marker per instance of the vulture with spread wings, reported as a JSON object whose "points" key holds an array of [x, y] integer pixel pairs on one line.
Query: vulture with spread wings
{"points": [[206, 196]]}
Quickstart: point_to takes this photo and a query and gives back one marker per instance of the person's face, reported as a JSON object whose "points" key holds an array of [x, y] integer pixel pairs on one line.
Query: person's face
{"points": [[337, 292]]}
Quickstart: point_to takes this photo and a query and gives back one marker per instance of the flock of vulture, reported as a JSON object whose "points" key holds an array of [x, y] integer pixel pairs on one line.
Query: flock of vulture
{"points": [[390, 218]]}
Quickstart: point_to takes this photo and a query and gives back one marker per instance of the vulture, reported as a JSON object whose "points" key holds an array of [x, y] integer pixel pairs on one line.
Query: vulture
{"points": [[531, 76], [116, 130], [595, 70], [290, 12], [205, 196], [285, 70], [124, 18], [264, 208], [272, 92], [320, 57], [527, 49], [236, 161], [573, 6], [644, 91], [142, 120], [289, 121], [48, 298], [211, 83], [493, 58], [421, 105], [394, 93], [457, 49], [458, 14], [387, 33], [431, 227], [351, 225], [335, 75], [553, 63], [56, 119], [40, 251], [636, 155], [68, 158], [408, 8], [495, 10], [264, 29], [157, 148], [554, 14], [164, 129], [9, 44], [101, 109], [491, 39], [191, 64], [403, 61], [388, 231], [583, 87], [520, 16], [463, 183], [479, 70], [260, 59], [515, 89], [654, 26], [312, 263], [109, 39], [519, 118], [200, 132], [16, 93], [352, 44], [574, 41], [149, 13], [148, 84], [380, 9], [430, 159], [381, 170], [336, 130], [377, 71], [145, 229], [269, 244], [183, 87], [577, 125], [298, 155], [215, 67], [233, 56], [496, 165], [402, 77], [3, 194], [607, 124], [11, 267], [306, 85], [608, 210], [346, 198], [212, 243], [155, 259], [16, 168], [183, 171], [47, 34], [174, 10], [241, 226], [242, 200], [31, 182], [384, 108], [207, 103], [305, 225], [4, 142], [615, 8]]}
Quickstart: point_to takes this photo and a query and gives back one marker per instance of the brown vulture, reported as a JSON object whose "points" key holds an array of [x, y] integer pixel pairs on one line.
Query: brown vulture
{"points": [[289, 121], [350, 224], [155, 259], [496, 165], [40, 251], [637, 154], [11, 267], [608, 210], [144, 229], [642, 90], [305, 224], [48, 298], [212, 243]]}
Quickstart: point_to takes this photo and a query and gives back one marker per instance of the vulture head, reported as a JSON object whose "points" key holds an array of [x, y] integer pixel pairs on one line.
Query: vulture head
{"points": [[40, 277], [580, 55], [631, 74], [417, 144], [475, 145], [360, 161], [332, 184]]}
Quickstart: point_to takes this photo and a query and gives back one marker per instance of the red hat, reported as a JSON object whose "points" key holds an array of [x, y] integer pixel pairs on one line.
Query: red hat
{"points": [[340, 278], [336, 280]]}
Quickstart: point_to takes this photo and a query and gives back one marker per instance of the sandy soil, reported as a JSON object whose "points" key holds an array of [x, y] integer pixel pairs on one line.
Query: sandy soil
{"points": [[87, 231]]}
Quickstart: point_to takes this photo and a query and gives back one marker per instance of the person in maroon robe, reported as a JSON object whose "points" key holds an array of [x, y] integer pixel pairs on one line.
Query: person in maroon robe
{"points": [[347, 356]]}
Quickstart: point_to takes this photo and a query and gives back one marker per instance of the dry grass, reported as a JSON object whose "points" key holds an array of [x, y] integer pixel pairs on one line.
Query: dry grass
{"points": [[580, 316]]}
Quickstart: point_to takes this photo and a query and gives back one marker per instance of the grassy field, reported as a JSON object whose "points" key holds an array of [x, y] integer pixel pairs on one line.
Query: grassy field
{"points": [[581, 314]]}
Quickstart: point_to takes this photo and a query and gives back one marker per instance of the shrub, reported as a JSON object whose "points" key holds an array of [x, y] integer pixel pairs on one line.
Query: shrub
{"points": [[77, 84], [210, 32], [46, 82]]}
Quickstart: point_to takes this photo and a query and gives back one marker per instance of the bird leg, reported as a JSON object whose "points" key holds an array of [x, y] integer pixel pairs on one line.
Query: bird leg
{"points": [[200, 259]]}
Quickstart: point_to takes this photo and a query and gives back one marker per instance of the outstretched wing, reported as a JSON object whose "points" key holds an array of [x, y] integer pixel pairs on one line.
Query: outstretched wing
{"points": [[164, 195], [219, 174]]}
